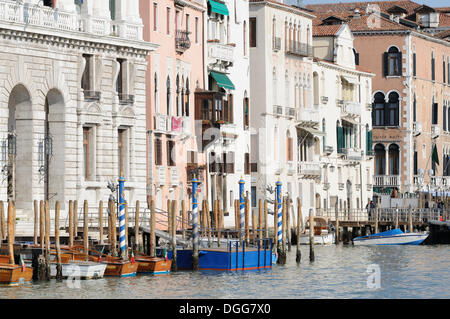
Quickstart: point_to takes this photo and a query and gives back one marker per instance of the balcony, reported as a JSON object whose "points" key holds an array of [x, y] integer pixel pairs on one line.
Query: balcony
{"points": [[277, 110], [300, 49], [290, 112], [309, 169], [417, 128], [328, 150], [182, 41], [126, 99], [350, 109], [173, 173], [160, 175], [221, 52], [435, 130], [290, 168], [276, 44], [92, 95], [212, 108], [161, 121], [387, 180], [308, 117], [353, 153]]}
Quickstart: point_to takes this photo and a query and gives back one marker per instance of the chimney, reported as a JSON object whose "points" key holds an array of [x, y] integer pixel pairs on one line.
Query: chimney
{"points": [[356, 14]]}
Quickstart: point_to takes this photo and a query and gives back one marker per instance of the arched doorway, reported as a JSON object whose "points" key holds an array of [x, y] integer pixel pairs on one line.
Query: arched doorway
{"points": [[52, 148], [19, 147]]}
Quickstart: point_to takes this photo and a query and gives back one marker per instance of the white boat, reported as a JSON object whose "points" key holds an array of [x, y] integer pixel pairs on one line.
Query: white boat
{"points": [[323, 234], [391, 237], [78, 269]]}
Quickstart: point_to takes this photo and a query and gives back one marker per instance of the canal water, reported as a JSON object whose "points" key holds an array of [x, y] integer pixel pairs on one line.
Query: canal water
{"points": [[341, 271]]}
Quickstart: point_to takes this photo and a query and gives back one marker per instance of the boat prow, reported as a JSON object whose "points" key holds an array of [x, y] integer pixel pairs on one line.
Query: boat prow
{"points": [[391, 237], [13, 275]]}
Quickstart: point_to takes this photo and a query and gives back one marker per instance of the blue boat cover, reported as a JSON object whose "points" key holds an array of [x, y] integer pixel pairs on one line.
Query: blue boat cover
{"points": [[392, 232]]}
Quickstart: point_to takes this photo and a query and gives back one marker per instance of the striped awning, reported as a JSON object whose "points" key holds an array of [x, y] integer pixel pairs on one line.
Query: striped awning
{"points": [[218, 7]]}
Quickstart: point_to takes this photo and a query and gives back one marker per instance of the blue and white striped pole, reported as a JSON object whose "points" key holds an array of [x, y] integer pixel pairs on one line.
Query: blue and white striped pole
{"points": [[123, 248], [241, 208], [279, 214], [194, 224]]}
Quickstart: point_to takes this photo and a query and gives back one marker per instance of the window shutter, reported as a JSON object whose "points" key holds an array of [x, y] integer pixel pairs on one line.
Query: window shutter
{"points": [[385, 64], [399, 63], [369, 141], [340, 139], [414, 64]]}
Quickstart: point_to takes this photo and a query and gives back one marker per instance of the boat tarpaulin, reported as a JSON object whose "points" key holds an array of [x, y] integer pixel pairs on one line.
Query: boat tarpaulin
{"points": [[392, 232]]}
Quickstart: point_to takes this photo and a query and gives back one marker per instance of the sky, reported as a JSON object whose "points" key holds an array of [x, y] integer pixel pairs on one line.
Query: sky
{"points": [[431, 3]]}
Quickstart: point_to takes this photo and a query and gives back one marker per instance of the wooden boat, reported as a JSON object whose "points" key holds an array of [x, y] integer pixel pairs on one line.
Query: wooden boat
{"points": [[153, 265], [323, 234], [114, 265], [391, 237], [15, 274]]}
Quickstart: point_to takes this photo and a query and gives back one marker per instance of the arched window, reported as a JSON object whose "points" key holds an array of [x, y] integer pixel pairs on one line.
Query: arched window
{"points": [[380, 159], [378, 110], [393, 62], [245, 38], [394, 159], [448, 119], [414, 108], [186, 99], [316, 88], [178, 90], [433, 67], [444, 117], [246, 111], [324, 136], [393, 109], [356, 54], [290, 150], [168, 95]]}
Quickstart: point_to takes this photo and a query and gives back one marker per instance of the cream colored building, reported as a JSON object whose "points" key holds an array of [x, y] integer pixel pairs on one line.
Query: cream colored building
{"points": [[72, 101]]}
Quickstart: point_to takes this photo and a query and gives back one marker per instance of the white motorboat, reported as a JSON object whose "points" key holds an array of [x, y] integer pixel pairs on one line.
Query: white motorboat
{"points": [[391, 237], [323, 234]]}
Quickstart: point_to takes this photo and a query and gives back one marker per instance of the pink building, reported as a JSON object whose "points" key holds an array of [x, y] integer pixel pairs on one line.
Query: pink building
{"points": [[175, 72]]}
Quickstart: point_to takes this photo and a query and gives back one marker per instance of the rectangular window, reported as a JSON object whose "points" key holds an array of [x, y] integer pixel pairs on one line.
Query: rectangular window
{"points": [[253, 189], [187, 22], [170, 153], [196, 30], [246, 114], [177, 20], [290, 152], [433, 69], [434, 115], [247, 164], [86, 151], [120, 78], [158, 152], [443, 69], [168, 21], [415, 163], [87, 78], [414, 64], [228, 162], [155, 17], [252, 32]]}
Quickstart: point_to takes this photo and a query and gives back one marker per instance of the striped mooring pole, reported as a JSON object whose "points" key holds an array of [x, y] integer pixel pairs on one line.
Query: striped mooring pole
{"points": [[241, 209], [279, 215], [194, 224], [123, 248]]}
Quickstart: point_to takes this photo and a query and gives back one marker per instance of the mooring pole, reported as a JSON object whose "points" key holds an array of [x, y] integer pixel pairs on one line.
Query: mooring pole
{"points": [[11, 235], [58, 248], [122, 233], [136, 226], [47, 240], [311, 235], [152, 234], [85, 229], [279, 214], [299, 220], [36, 221], [282, 252], [100, 221], [194, 225], [241, 210], [70, 223], [2, 221]]}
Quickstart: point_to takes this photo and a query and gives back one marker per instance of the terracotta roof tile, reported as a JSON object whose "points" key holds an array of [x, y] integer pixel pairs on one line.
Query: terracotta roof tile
{"points": [[326, 30]]}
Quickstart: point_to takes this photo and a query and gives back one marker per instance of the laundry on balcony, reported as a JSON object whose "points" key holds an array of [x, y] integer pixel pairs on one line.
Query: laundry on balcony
{"points": [[222, 80], [218, 7]]}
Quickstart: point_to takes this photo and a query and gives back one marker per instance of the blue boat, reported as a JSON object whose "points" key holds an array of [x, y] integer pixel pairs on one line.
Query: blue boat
{"points": [[391, 237], [235, 256]]}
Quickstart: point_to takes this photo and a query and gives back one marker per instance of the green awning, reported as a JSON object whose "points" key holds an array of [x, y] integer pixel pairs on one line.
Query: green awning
{"points": [[218, 7], [222, 80]]}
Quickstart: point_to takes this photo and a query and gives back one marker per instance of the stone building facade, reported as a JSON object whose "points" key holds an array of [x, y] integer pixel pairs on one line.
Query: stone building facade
{"points": [[72, 101]]}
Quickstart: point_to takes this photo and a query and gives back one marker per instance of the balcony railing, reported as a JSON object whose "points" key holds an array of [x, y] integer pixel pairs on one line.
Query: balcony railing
{"points": [[126, 98], [300, 49], [435, 130], [290, 112], [173, 173], [276, 44], [219, 51], [290, 168], [309, 169], [42, 16], [212, 107], [308, 116], [161, 122], [182, 41], [351, 108], [160, 175], [352, 153], [92, 95], [277, 110], [387, 180], [328, 150], [417, 128]]}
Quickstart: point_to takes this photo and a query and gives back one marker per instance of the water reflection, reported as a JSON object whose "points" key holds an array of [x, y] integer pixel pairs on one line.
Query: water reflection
{"points": [[337, 272]]}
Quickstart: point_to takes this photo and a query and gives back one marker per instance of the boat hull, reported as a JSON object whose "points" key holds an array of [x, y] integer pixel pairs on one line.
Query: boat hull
{"points": [[14, 274], [405, 239], [153, 265], [326, 239], [82, 270], [120, 268]]}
